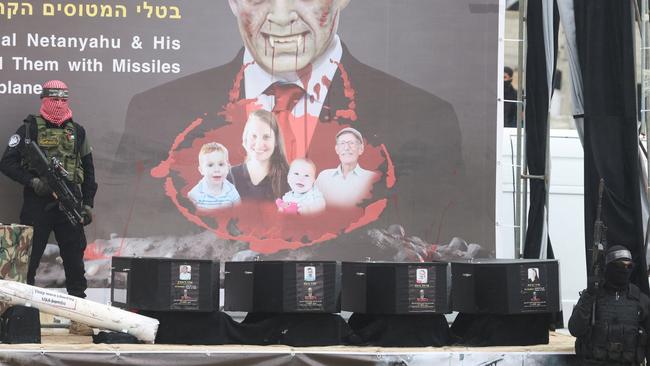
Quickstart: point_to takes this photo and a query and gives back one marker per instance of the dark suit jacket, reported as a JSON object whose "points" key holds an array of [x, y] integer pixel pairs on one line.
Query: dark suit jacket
{"points": [[420, 132]]}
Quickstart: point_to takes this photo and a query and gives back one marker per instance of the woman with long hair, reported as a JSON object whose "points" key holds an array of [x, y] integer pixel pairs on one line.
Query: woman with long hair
{"points": [[263, 175]]}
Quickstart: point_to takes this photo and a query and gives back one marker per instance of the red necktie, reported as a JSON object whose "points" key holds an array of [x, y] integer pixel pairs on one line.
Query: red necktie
{"points": [[286, 97]]}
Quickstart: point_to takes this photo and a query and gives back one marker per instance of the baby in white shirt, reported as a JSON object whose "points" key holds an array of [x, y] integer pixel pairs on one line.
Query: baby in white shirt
{"points": [[304, 198]]}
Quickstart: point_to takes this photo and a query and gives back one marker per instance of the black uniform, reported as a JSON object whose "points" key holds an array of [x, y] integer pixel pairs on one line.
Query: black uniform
{"points": [[619, 333], [509, 108], [71, 239], [611, 322]]}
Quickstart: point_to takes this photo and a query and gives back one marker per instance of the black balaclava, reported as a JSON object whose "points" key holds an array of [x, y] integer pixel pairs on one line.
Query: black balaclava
{"points": [[617, 273], [507, 71]]}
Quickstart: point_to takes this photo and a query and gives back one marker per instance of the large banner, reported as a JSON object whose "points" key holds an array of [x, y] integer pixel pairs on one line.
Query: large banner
{"points": [[324, 129]]}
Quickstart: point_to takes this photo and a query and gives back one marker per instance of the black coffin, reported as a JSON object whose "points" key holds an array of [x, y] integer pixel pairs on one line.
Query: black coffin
{"points": [[283, 286], [395, 288], [505, 286], [165, 284]]}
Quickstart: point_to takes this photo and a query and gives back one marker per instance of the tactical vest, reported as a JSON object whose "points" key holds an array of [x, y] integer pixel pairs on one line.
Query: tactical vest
{"points": [[616, 335], [62, 144]]}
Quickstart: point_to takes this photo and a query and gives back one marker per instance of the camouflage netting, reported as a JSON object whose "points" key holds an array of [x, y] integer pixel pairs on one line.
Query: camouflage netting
{"points": [[15, 249]]}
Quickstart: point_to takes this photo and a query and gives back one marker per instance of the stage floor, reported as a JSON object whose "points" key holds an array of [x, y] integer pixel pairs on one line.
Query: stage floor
{"points": [[59, 339], [58, 347]]}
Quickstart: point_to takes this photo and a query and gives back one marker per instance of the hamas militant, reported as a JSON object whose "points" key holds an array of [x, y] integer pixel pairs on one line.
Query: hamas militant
{"points": [[79, 43]]}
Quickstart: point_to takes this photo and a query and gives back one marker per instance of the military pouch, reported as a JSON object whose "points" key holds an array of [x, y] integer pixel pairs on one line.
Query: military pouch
{"points": [[641, 344], [599, 342], [628, 353], [61, 144], [615, 351], [583, 345]]}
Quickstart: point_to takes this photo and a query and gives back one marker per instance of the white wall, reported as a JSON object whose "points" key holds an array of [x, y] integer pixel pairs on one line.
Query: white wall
{"points": [[566, 212]]}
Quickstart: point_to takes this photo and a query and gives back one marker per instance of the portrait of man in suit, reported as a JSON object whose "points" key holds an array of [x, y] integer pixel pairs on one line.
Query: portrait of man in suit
{"points": [[295, 64]]}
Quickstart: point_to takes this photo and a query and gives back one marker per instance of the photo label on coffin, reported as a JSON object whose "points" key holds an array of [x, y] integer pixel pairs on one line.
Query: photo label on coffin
{"points": [[533, 281], [185, 280], [422, 289], [310, 287]]}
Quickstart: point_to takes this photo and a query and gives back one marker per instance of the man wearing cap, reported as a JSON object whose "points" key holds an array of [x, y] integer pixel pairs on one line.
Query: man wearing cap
{"points": [[348, 184], [58, 136], [611, 322]]}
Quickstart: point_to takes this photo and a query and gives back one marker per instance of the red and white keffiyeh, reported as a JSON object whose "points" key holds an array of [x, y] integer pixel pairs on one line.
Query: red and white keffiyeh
{"points": [[54, 102]]}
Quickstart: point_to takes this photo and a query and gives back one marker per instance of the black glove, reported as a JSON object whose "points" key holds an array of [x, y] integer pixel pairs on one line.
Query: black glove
{"points": [[87, 215], [40, 187]]}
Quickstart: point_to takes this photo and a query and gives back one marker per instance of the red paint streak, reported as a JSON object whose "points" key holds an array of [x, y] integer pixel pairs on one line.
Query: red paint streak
{"points": [[347, 114], [262, 226], [326, 81], [235, 91], [95, 251], [273, 63], [348, 90], [317, 90], [349, 93], [325, 13], [162, 170], [307, 129], [390, 168], [171, 192], [239, 110], [305, 75], [371, 214], [306, 135], [323, 18]]}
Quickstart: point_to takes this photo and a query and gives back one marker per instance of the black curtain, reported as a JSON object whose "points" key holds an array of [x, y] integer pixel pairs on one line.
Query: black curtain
{"points": [[536, 122], [605, 39]]}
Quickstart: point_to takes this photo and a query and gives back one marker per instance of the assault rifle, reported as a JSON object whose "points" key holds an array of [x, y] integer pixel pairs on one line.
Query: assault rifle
{"points": [[598, 250], [54, 174], [600, 240]]}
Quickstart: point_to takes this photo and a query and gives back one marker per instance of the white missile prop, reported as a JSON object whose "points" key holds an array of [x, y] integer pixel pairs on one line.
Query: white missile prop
{"points": [[81, 310]]}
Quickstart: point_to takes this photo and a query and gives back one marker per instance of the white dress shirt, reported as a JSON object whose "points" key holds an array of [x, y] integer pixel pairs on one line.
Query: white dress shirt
{"points": [[257, 80]]}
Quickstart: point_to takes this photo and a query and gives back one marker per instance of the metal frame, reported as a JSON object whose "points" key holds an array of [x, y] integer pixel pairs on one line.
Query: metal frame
{"points": [[521, 166], [644, 73], [643, 18], [521, 213]]}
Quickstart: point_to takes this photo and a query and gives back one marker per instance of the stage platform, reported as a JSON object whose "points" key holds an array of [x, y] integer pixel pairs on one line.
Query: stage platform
{"points": [[60, 348]]}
